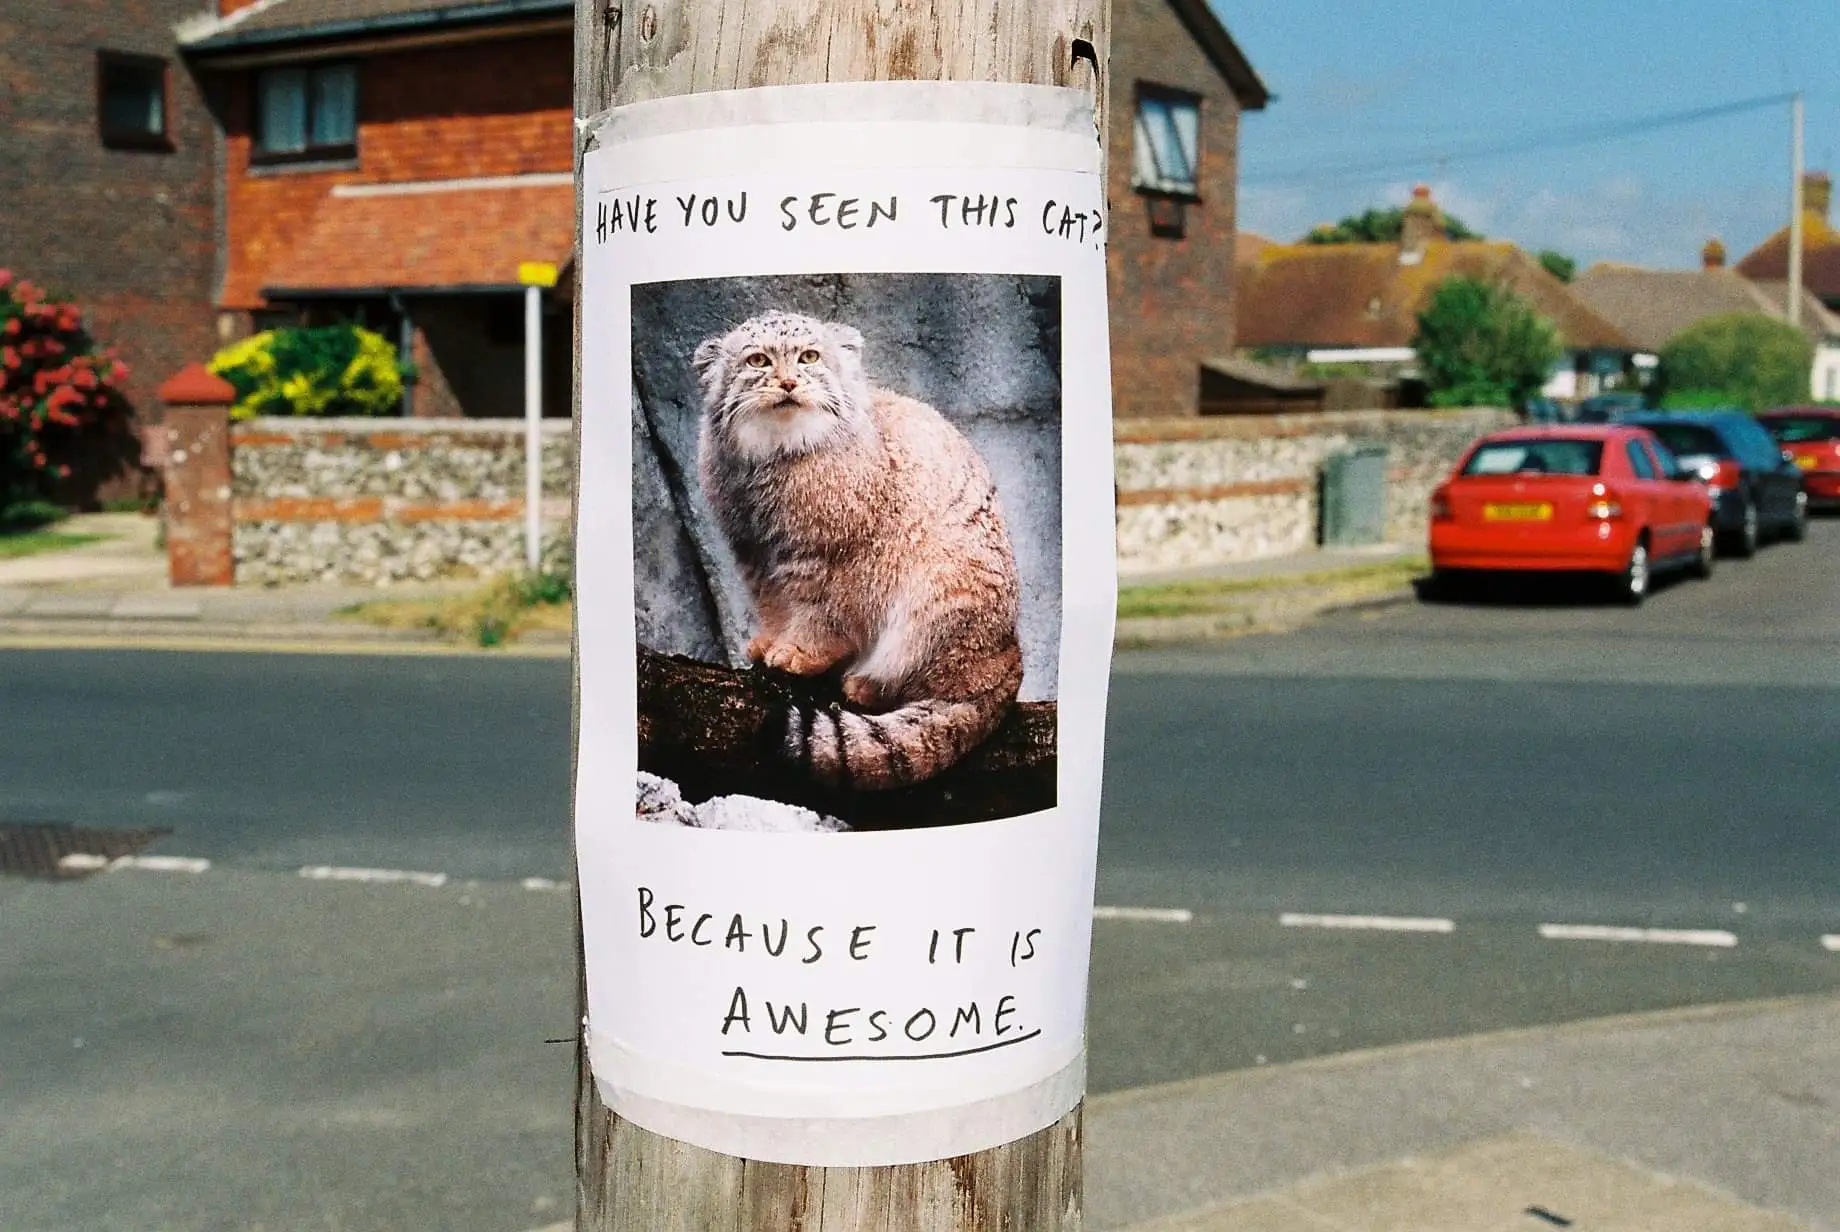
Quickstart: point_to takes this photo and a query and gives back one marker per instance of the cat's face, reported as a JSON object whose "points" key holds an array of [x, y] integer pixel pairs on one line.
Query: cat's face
{"points": [[783, 384]]}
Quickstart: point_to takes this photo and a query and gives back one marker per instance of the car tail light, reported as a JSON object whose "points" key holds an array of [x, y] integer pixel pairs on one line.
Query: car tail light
{"points": [[1720, 476], [1604, 508], [1440, 505]]}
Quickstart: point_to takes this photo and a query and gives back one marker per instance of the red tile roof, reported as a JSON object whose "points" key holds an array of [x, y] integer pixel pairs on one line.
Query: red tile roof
{"points": [[1769, 261], [1360, 295], [446, 238]]}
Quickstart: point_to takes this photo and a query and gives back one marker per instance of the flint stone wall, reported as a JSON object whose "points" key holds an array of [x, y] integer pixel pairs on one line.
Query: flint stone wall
{"points": [[982, 349], [378, 501], [1194, 493]]}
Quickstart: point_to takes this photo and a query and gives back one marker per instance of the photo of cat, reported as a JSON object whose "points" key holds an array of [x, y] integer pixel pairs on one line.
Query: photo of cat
{"points": [[847, 502]]}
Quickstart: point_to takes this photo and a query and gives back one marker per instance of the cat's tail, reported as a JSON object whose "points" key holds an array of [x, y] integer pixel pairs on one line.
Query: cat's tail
{"points": [[875, 752]]}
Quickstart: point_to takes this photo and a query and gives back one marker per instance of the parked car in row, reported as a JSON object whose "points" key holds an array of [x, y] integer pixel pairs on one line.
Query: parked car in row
{"points": [[1810, 435], [1608, 500], [1756, 490]]}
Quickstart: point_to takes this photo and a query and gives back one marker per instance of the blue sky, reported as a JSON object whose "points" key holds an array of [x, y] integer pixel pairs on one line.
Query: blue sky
{"points": [[1361, 82]]}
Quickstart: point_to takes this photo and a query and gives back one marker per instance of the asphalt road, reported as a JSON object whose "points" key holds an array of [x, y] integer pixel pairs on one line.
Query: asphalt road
{"points": [[1498, 765]]}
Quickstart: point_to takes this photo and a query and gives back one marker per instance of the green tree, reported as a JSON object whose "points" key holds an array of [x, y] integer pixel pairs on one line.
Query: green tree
{"points": [[1481, 344], [1379, 227], [1740, 359], [1558, 265]]}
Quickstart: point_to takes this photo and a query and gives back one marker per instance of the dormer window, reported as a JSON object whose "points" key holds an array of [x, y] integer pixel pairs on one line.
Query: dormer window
{"points": [[307, 113], [1167, 147]]}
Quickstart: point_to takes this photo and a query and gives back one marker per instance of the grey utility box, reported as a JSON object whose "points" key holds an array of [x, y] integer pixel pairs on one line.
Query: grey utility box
{"points": [[1354, 497]]}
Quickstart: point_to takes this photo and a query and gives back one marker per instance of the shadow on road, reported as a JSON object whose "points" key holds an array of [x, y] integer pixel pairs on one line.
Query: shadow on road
{"points": [[1535, 590]]}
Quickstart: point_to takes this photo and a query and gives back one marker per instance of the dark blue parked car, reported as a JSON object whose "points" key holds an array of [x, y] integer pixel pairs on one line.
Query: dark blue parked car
{"points": [[1611, 407], [1756, 490]]}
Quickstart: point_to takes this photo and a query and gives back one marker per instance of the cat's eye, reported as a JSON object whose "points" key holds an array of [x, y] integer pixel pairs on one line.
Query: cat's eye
{"points": [[810, 357], [757, 360]]}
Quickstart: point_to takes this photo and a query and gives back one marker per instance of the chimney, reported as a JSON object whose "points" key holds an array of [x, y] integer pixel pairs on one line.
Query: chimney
{"points": [[1712, 256], [1421, 223], [1817, 194]]}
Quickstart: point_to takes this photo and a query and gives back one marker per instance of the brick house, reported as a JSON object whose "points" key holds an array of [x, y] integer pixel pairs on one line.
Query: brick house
{"points": [[1178, 86], [394, 162], [107, 184], [402, 124]]}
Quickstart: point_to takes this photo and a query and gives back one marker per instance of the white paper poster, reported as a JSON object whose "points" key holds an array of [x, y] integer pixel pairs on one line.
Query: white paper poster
{"points": [[845, 582]]}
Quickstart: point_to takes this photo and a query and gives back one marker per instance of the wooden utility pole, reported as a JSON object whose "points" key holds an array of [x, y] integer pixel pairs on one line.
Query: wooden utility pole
{"points": [[628, 1179], [1795, 210]]}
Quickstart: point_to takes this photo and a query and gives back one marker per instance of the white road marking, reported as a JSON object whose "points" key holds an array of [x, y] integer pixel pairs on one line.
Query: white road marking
{"points": [[1704, 937], [1150, 915], [79, 862], [543, 883], [326, 872], [1368, 923], [1831, 943]]}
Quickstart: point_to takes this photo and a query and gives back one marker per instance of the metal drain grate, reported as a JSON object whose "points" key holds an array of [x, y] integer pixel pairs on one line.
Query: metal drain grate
{"points": [[35, 850]]}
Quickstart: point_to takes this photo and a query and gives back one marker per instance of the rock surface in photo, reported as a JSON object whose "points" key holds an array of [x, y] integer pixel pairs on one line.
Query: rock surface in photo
{"points": [[660, 801], [983, 349]]}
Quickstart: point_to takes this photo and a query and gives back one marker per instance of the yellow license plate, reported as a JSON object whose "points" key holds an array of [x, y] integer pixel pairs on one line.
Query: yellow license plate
{"points": [[1517, 513], [1807, 464]]}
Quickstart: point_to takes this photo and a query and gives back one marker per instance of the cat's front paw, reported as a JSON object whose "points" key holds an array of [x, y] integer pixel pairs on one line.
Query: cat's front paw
{"points": [[864, 693], [796, 660], [758, 649]]}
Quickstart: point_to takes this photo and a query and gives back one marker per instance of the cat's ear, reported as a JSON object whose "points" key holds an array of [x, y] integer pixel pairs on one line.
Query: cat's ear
{"points": [[846, 339], [708, 361]]}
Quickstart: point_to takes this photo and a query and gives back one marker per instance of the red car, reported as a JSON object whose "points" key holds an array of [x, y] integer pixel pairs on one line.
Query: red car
{"points": [[1811, 436], [1604, 499]]}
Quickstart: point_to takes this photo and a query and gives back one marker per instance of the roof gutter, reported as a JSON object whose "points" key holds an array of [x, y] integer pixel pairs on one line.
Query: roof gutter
{"points": [[394, 23]]}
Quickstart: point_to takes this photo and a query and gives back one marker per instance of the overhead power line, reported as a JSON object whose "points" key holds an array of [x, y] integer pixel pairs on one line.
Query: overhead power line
{"points": [[1444, 156]]}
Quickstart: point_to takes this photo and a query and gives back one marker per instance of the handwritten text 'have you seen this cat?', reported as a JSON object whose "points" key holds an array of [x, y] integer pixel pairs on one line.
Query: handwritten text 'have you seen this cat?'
{"points": [[638, 214], [760, 1025]]}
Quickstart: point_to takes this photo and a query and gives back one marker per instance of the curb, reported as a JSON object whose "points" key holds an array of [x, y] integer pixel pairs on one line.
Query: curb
{"points": [[258, 639], [1203, 1084], [1266, 617]]}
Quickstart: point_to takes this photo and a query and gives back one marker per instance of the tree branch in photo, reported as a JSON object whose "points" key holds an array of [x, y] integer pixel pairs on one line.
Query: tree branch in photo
{"points": [[713, 731]]}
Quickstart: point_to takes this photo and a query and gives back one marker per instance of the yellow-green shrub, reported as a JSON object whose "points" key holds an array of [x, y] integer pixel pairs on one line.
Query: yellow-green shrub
{"points": [[324, 371]]}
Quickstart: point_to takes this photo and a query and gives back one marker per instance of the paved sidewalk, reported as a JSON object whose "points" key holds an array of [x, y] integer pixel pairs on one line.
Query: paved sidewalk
{"points": [[1712, 1120], [1261, 596], [117, 591]]}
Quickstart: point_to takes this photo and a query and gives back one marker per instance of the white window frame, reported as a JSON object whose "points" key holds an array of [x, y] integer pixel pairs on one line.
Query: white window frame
{"points": [[1166, 133]]}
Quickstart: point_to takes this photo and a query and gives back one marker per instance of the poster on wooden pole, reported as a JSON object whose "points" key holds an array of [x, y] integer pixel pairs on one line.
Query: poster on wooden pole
{"points": [[845, 590]]}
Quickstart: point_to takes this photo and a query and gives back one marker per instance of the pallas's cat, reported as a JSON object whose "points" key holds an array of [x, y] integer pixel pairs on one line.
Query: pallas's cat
{"points": [[870, 537]]}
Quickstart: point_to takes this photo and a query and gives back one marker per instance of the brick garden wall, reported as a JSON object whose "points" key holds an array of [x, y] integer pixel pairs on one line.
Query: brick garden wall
{"points": [[378, 501], [1172, 300], [1210, 491]]}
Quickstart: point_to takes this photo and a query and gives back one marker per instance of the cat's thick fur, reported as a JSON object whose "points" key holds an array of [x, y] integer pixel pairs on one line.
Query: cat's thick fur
{"points": [[870, 537]]}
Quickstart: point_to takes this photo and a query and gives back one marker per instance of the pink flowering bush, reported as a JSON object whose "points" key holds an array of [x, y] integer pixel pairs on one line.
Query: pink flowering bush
{"points": [[56, 386]]}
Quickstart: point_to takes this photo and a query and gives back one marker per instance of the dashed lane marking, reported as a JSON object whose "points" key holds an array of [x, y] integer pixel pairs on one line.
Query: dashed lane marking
{"points": [[1149, 915], [82, 862], [543, 883], [1831, 943], [1704, 937], [378, 876], [1369, 923]]}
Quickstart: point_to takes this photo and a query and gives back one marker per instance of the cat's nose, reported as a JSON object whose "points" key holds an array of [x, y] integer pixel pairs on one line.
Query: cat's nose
{"points": [[789, 383]]}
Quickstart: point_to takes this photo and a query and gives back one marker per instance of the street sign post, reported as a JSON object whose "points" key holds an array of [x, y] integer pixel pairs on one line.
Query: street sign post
{"points": [[536, 277]]}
